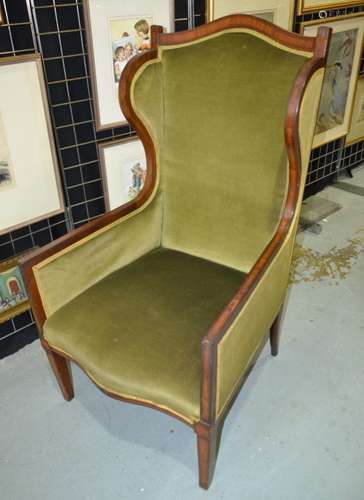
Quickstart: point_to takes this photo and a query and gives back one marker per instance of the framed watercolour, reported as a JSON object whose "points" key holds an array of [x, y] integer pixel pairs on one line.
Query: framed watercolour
{"points": [[314, 5], [13, 295], [356, 132], [279, 12], [30, 188], [340, 77], [116, 31], [124, 167]]}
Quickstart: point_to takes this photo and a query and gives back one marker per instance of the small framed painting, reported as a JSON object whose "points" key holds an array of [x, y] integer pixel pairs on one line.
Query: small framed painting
{"points": [[340, 76], [124, 168], [356, 132], [279, 12], [30, 186], [305, 6], [116, 31], [13, 295]]}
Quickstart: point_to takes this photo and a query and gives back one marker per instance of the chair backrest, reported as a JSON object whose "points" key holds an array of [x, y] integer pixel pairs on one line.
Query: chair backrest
{"points": [[216, 107]]}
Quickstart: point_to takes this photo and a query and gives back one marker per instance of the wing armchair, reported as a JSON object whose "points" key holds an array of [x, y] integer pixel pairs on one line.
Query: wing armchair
{"points": [[168, 300]]}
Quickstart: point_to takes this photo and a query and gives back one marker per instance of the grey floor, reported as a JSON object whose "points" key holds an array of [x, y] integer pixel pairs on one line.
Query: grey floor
{"points": [[296, 431]]}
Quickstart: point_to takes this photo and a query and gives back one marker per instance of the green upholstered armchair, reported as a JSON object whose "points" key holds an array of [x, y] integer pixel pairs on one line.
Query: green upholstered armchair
{"points": [[168, 300]]}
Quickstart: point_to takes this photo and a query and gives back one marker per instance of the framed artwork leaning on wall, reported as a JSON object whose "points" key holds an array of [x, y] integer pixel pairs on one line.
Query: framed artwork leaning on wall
{"points": [[116, 31], [30, 187], [340, 76], [124, 167], [356, 132], [279, 12]]}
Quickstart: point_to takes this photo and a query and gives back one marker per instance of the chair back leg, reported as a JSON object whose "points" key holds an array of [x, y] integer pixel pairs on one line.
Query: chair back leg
{"points": [[62, 370], [275, 331], [208, 443]]}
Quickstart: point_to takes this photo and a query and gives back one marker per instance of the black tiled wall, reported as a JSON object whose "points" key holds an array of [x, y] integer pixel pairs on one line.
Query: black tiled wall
{"points": [[56, 29]]}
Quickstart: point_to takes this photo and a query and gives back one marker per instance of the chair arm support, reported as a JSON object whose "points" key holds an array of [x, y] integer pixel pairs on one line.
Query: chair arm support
{"points": [[58, 272], [231, 345]]}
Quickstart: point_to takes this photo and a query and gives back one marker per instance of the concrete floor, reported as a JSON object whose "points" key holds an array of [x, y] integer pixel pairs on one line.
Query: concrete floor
{"points": [[296, 432]]}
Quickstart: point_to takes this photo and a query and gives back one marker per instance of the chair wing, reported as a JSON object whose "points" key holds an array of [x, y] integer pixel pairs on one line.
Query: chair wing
{"points": [[58, 273], [240, 345]]}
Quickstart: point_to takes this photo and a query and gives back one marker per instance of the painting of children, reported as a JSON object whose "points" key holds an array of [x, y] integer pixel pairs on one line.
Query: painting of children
{"points": [[129, 36], [138, 174]]}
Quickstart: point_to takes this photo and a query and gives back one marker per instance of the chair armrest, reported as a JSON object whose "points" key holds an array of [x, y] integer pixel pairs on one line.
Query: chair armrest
{"points": [[58, 272], [233, 343], [239, 347]]}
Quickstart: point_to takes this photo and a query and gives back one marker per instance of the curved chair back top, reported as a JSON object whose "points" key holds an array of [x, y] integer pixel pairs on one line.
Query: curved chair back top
{"points": [[216, 107]]}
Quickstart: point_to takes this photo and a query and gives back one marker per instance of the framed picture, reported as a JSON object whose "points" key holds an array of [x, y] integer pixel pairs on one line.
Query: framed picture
{"points": [[116, 31], [124, 167], [314, 5], [13, 295], [356, 132], [30, 187], [341, 74], [279, 12]]}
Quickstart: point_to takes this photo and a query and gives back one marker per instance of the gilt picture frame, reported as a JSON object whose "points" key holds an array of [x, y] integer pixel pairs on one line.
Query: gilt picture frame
{"points": [[356, 132], [115, 32], [305, 6], [341, 74], [280, 12], [13, 294], [124, 168], [30, 184]]}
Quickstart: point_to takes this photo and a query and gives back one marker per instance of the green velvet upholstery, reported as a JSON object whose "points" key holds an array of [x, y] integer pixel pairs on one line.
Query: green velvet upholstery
{"points": [[132, 302], [138, 331], [220, 120], [81, 266]]}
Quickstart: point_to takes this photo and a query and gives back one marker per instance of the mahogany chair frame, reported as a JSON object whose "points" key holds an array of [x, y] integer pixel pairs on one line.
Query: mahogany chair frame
{"points": [[209, 428]]}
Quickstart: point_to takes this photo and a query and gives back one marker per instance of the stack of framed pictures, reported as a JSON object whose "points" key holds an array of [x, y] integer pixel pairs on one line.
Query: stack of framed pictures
{"points": [[335, 110], [116, 31], [30, 187], [279, 12]]}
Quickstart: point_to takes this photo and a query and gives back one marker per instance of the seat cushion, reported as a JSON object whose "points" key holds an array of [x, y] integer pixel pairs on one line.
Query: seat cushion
{"points": [[137, 332]]}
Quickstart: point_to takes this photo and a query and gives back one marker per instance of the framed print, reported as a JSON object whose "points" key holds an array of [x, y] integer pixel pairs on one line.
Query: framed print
{"points": [[340, 76], [116, 31], [30, 187], [356, 132], [314, 5], [124, 167], [279, 12], [13, 295]]}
